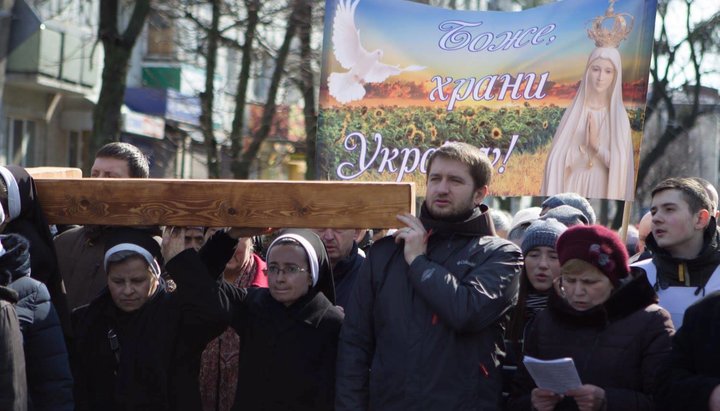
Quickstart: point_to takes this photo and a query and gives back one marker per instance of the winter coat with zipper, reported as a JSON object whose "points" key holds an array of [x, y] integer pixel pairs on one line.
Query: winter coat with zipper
{"points": [[617, 346], [156, 364], [429, 336]]}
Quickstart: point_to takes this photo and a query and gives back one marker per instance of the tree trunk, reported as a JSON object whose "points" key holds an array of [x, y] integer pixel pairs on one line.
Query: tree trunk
{"points": [[118, 48], [243, 168], [207, 97], [236, 134], [308, 86]]}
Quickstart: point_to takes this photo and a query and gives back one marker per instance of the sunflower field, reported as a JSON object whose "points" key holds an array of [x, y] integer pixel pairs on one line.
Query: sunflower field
{"points": [[429, 127]]}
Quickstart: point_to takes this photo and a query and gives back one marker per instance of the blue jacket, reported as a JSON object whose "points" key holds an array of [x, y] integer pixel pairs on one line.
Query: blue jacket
{"points": [[49, 379], [48, 369]]}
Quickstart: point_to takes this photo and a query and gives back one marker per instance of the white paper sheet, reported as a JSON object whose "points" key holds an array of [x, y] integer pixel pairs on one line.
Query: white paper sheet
{"points": [[557, 375]]}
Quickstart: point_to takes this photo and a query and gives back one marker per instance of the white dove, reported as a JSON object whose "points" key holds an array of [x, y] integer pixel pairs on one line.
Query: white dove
{"points": [[364, 67]]}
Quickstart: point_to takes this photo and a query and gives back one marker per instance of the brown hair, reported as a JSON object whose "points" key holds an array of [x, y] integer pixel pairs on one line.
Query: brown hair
{"points": [[477, 162], [692, 192]]}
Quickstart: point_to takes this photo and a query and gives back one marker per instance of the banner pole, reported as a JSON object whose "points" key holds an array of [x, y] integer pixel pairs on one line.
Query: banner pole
{"points": [[625, 220]]}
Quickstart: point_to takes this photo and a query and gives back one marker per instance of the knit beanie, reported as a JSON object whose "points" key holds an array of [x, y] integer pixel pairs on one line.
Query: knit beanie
{"points": [[598, 246], [567, 215], [572, 200], [542, 233]]}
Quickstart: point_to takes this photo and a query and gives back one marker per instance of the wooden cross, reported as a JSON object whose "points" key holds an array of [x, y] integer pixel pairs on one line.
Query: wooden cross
{"points": [[67, 198]]}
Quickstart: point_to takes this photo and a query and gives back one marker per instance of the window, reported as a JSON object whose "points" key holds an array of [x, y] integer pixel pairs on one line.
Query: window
{"points": [[21, 142], [78, 146]]}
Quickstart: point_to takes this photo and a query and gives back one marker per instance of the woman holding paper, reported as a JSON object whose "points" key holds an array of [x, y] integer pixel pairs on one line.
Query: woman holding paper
{"points": [[606, 320]]}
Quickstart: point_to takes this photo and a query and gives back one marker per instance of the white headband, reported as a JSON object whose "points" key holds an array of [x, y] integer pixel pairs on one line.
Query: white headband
{"points": [[312, 255], [154, 266], [14, 204]]}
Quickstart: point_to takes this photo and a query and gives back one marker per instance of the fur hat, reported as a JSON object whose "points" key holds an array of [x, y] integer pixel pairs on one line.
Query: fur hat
{"points": [[598, 246], [572, 200], [542, 233]]}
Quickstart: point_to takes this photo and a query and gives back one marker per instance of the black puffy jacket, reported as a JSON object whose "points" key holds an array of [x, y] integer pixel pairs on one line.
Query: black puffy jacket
{"points": [[618, 346]]}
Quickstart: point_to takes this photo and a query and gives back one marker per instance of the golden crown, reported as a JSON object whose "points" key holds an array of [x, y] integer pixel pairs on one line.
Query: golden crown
{"points": [[611, 37]]}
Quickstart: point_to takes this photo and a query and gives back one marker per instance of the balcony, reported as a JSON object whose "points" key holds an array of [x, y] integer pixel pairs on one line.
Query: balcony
{"points": [[55, 58]]}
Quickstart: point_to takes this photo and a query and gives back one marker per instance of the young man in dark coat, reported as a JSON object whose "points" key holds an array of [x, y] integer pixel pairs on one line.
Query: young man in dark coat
{"points": [[425, 323], [691, 378], [685, 246]]}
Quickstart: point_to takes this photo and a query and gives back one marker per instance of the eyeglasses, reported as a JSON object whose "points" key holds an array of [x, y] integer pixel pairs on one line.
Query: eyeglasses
{"points": [[290, 270]]}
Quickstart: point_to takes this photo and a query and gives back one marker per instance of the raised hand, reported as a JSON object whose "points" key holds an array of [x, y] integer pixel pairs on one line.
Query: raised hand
{"points": [[173, 242], [414, 235]]}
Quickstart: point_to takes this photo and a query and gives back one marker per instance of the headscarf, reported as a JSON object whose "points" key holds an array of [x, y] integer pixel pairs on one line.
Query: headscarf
{"points": [[320, 268], [26, 218], [139, 242]]}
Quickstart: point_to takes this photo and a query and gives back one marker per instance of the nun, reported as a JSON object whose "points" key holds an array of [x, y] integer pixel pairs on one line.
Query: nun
{"points": [[137, 346], [24, 216], [289, 330]]}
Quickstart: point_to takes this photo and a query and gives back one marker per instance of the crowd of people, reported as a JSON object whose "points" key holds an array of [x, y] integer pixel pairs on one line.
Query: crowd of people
{"points": [[437, 314]]}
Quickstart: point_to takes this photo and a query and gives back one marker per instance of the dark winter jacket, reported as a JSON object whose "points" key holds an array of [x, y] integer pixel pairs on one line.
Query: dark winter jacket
{"points": [[429, 336], [698, 269], [156, 362], [30, 222], [48, 371], [13, 386], [692, 370], [617, 346], [288, 354], [345, 274]]}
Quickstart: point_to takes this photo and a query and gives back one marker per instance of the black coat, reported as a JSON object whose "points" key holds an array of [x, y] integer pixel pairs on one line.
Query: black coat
{"points": [[345, 274], [429, 336], [617, 346], [288, 354], [13, 388], [692, 371], [160, 347]]}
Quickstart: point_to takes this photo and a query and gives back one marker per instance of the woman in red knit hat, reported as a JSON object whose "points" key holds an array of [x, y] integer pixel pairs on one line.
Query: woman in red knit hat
{"points": [[607, 320]]}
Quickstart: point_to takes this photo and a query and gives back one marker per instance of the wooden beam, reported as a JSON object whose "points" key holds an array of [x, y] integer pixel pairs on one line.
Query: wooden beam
{"points": [[54, 172], [224, 203]]}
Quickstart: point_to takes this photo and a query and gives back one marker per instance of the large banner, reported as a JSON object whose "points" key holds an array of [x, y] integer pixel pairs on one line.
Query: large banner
{"points": [[555, 94]]}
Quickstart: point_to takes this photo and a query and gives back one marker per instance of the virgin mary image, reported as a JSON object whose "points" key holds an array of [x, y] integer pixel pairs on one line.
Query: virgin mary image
{"points": [[592, 153]]}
